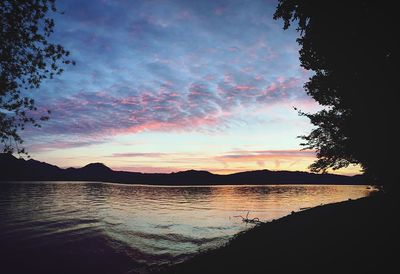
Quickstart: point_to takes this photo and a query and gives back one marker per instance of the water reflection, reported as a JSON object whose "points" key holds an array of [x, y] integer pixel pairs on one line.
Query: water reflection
{"points": [[145, 224]]}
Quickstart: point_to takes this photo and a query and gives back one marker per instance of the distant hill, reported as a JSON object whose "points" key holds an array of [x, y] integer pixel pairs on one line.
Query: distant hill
{"points": [[13, 169]]}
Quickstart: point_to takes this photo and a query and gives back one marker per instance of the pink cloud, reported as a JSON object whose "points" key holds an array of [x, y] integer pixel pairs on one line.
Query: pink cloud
{"points": [[209, 77], [244, 88], [184, 15], [261, 155], [134, 155], [200, 106], [258, 77], [228, 78], [219, 10], [233, 49]]}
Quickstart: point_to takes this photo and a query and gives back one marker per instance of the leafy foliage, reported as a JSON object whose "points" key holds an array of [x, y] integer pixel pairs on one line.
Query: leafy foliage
{"points": [[26, 59], [351, 47]]}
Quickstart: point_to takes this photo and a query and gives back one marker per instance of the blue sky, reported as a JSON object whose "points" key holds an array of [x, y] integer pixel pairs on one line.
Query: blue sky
{"points": [[165, 85]]}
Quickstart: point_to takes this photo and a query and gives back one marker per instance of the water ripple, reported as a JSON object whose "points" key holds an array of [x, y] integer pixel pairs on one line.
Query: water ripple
{"points": [[148, 224]]}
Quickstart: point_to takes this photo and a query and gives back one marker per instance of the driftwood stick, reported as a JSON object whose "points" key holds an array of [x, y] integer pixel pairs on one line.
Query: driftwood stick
{"points": [[247, 220]]}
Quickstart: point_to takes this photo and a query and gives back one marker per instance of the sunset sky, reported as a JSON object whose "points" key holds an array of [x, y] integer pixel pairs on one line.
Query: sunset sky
{"points": [[162, 86]]}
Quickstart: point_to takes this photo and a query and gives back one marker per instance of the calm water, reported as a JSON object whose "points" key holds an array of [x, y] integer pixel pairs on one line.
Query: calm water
{"points": [[142, 225]]}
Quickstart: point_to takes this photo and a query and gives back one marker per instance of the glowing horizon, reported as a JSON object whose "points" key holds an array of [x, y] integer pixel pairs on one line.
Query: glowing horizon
{"points": [[232, 161]]}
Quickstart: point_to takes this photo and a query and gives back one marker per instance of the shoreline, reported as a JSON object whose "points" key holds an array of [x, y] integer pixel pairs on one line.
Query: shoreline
{"points": [[357, 236], [372, 186]]}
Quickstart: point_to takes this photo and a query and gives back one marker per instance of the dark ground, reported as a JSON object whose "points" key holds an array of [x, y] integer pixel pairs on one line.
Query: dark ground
{"points": [[358, 236]]}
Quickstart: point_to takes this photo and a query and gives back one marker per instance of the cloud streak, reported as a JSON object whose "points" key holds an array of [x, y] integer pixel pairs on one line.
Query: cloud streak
{"points": [[256, 154], [122, 110], [139, 155]]}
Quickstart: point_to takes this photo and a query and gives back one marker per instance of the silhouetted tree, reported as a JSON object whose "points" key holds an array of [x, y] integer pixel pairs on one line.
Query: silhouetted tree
{"points": [[352, 48], [26, 58]]}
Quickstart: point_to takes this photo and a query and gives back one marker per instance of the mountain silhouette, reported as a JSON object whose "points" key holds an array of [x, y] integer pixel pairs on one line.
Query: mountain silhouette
{"points": [[13, 169], [97, 167]]}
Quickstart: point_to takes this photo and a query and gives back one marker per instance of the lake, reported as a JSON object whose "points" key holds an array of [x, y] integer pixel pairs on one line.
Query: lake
{"points": [[92, 227]]}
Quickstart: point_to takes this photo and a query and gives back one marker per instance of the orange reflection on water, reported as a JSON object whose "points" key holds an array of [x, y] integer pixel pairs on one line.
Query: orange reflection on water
{"points": [[155, 223]]}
